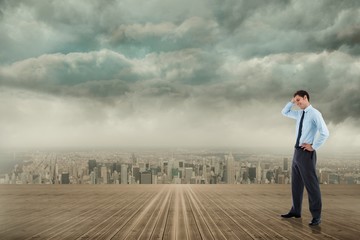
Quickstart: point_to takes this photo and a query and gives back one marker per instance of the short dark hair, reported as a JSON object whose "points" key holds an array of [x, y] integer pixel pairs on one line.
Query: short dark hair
{"points": [[302, 93]]}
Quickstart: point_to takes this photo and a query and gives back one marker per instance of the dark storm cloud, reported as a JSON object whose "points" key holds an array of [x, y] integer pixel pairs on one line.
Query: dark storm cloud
{"points": [[130, 27], [260, 29], [347, 104], [176, 77], [101, 74], [231, 14], [246, 28], [193, 32], [347, 38], [187, 65]]}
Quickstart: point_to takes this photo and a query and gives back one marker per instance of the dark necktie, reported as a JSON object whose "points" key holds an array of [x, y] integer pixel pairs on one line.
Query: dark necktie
{"points": [[300, 130]]}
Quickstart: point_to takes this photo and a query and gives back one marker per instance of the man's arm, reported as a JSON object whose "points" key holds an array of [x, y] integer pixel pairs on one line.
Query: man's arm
{"points": [[323, 130], [288, 112]]}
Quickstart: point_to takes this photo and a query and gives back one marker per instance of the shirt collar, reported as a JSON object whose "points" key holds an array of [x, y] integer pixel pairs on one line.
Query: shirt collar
{"points": [[308, 108]]}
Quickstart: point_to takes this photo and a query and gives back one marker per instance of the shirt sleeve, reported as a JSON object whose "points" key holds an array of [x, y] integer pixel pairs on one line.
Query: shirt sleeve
{"points": [[323, 130], [288, 112]]}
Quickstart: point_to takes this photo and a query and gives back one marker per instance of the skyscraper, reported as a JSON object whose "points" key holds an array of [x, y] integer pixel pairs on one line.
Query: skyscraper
{"points": [[188, 174], [124, 174], [65, 178], [136, 173], [115, 177], [286, 164], [146, 177], [96, 175], [230, 170], [92, 165], [92, 177], [134, 159], [169, 170], [252, 174], [258, 173], [104, 174]]}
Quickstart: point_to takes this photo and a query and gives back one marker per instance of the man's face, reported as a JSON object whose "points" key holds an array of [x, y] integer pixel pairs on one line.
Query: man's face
{"points": [[301, 102]]}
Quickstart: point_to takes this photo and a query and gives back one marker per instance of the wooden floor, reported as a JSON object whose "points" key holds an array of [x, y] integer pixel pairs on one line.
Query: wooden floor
{"points": [[172, 212]]}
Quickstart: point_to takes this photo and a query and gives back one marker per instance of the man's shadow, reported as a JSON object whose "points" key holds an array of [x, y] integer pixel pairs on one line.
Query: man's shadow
{"points": [[316, 229], [298, 224]]}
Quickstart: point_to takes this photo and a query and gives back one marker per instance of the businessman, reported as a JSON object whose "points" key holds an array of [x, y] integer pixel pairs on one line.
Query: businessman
{"points": [[309, 122]]}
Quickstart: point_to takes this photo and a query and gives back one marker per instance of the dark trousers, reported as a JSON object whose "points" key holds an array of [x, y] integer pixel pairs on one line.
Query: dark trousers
{"points": [[304, 174]]}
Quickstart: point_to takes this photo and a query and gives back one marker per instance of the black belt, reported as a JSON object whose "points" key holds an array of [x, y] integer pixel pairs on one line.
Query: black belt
{"points": [[301, 148]]}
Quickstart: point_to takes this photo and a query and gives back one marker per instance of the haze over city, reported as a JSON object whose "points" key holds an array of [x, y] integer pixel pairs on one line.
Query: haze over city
{"points": [[176, 73], [158, 119]]}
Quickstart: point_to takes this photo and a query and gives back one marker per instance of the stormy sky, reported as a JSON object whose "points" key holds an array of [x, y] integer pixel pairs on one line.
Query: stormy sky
{"points": [[160, 73]]}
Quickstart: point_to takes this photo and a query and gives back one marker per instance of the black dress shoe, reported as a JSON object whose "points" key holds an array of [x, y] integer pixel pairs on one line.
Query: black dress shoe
{"points": [[315, 222], [290, 215]]}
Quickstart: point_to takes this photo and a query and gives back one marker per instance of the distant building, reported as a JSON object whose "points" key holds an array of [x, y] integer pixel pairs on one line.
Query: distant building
{"points": [[115, 177], [169, 170], [92, 165], [258, 173], [65, 178], [334, 178], [286, 164], [136, 173], [146, 177], [104, 174], [36, 179], [230, 170], [188, 175], [324, 177], [92, 178], [124, 174], [281, 179], [134, 159], [96, 175], [252, 174]]}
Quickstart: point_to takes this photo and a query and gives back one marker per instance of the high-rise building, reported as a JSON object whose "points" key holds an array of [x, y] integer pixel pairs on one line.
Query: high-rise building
{"points": [[136, 173], [146, 177], [118, 167], [104, 174], [164, 167], [142, 167], [115, 177], [252, 174], [258, 173], [124, 174], [169, 170], [65, 178], [230, 170], [188, 175], [56, 173], [96, 175], [134, 159], [286, 164], [281, 179], [92, 178], [92, 165]]}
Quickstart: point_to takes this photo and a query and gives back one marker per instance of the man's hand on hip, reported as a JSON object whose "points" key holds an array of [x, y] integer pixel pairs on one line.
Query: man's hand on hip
{"points": [[307, 147]]}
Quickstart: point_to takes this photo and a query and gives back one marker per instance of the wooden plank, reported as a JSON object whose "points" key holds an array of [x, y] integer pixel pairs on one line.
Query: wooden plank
{"points": [[172, 212]]}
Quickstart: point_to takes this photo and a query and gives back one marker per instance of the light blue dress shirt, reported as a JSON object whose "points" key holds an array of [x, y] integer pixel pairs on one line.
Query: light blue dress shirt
{"points": [[312, 124]]}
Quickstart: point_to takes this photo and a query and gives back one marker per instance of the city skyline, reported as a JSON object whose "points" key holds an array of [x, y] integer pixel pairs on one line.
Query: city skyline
{"points": [[176, 74], [168, 167]]}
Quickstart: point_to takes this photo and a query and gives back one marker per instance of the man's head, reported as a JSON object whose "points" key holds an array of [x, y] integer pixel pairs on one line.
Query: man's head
{"points": [[302, 99]]}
